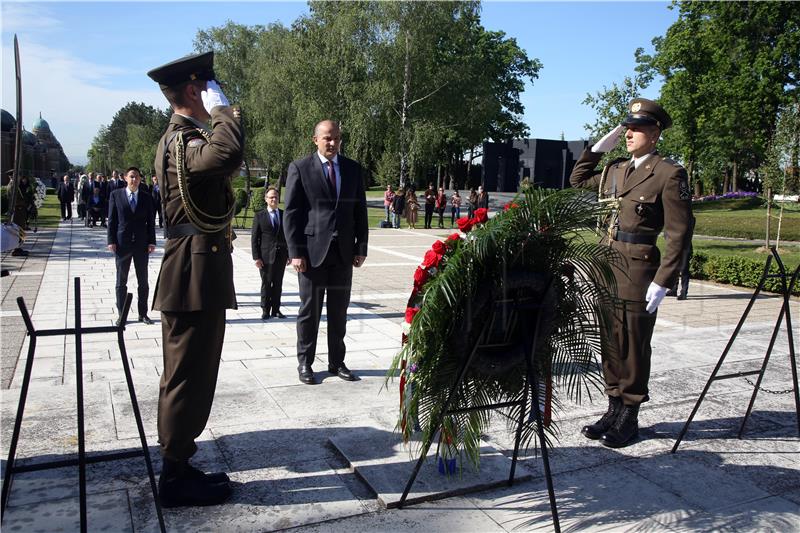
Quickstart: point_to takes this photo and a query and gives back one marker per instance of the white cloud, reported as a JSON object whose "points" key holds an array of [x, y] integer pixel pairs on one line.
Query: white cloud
{"points": [[29, 17], [73, 95]]}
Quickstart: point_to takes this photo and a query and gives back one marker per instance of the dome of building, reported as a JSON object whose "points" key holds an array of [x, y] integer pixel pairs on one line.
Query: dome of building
{"points": [[41, 124], [7, 120], [28, 138]]}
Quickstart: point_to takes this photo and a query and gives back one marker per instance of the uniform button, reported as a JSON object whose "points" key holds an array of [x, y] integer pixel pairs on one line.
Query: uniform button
{"points": [[646, 256], [214, 248], [641, 198]]}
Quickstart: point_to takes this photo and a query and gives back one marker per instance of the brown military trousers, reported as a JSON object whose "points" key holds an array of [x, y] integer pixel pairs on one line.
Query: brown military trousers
{"points": [[192, 349], [626, 354]]}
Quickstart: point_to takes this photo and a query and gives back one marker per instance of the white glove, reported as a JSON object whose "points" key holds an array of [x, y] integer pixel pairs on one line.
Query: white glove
{"points": [[12, 236], [655, 293], [609, 140], [212, 96]]}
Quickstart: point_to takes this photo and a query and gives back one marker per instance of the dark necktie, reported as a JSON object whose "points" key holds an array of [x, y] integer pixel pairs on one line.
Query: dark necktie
{"points": [[332, 176], [275, 221], [133, 202]]}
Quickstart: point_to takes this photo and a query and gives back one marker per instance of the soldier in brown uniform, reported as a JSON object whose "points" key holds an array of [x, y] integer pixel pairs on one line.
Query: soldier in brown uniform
{"points": [[195, 284], [648, 194]]}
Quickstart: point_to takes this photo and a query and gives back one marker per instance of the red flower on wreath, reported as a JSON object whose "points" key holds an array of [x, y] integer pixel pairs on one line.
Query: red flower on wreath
{"points": [[431, 259], [465, 224], [481, 215], [453, 237], [420, 277], [510, 205], [439, 247], [410, 313]]}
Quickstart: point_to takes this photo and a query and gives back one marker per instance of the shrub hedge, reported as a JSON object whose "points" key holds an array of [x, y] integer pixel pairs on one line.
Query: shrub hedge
{"points": [[739, 271]]}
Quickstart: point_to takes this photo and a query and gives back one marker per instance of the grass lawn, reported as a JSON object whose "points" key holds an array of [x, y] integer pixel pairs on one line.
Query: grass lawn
{"points": [[50, 213], [745, 218], [790, 255]]}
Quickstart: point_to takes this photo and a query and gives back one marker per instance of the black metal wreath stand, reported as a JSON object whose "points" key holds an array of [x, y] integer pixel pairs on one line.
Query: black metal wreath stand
{"points": [[83, 459], [531, 382], [786, 291]]}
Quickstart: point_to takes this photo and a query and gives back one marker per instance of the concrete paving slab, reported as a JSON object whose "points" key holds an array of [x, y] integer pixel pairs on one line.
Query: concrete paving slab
{"points": [[107, 511], [388, 474]]}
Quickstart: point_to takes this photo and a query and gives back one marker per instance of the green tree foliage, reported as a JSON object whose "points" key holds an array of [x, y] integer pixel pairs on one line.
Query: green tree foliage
{"points": [[130, 138], [420, 81]]}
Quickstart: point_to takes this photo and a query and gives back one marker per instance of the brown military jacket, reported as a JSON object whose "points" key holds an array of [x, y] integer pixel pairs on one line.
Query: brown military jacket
{"points": [[197, 270], [654, 197]]}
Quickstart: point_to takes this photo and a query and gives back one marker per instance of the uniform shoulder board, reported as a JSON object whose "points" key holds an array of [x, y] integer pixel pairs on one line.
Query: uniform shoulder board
{"points": [[669, 161]]}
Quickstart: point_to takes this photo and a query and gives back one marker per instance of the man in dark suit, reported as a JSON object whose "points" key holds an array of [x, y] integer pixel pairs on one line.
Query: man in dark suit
{"points": [[66, 194], [155, 192], [326, 230], [131, 236], [195, 163], [270, 254]]}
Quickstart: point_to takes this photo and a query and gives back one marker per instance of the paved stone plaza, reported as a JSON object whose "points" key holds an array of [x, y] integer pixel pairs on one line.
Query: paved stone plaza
{"points": [[273, 434]]}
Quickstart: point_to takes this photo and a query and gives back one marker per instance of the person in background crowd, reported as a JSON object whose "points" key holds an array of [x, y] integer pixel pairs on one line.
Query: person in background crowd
{"points": [[131, 236], [430, 204], [388, 196], [66, 195], [441, 205], [483, 198], [412, 208], [270, 253], [472, 202], [398, 207], [455, 207], [81, 197], [155, 192]]}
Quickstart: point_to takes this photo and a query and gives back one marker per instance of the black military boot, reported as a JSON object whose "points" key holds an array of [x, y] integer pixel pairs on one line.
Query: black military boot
{"points": [[596, 430], [625, 429], [180, 486]]}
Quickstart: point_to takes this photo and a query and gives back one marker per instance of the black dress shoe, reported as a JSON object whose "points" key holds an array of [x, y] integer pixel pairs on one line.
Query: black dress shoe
{"points": [[211, 477], [625, 429], [191, 491], [146, 320], [265, 316], [306, 375], [343, 372], [278, 314], [19, 252], [596, 430]]}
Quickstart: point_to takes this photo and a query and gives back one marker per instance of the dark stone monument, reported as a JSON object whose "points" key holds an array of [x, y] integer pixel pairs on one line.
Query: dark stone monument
{"points": [[544, 162]]}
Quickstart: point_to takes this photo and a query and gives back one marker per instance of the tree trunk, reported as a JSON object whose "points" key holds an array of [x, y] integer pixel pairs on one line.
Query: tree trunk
{"points": [[735, 177], [726, 181], [404, 114]]}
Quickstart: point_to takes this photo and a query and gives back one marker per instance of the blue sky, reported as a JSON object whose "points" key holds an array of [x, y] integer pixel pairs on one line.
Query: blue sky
{"points": [[82, 61]]}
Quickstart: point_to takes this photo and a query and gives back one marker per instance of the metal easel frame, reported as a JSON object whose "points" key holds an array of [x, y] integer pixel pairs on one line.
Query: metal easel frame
{"points": [[786, 291], [531, 382], [83, 459]]}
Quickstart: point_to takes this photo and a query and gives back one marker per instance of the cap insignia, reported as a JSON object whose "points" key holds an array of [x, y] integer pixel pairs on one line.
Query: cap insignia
{"points": [[636, 107]]}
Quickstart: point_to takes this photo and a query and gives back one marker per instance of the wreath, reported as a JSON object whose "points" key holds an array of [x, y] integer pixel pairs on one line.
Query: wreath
{"points": [[528, 288]]}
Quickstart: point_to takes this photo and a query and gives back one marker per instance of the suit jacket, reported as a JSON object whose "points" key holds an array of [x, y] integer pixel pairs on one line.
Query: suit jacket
{"points": [[156, 194], [66, 192], [129, 230], [314, 213], [654, 197], [265, 241], [197, 270]]}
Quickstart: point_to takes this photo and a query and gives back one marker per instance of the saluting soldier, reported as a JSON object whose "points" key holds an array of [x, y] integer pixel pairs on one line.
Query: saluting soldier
{"points": [[648, 193], [195, 284]]}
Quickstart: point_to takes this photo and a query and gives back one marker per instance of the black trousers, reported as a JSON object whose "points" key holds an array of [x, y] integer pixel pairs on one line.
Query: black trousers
{"points": [[66, 209], [334, 277], [272, 283], [160, 213], [139, 258], [192, 347], [428, 215]]}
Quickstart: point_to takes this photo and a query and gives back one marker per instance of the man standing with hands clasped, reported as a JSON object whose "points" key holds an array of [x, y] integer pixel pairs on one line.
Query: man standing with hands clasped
{"points": [[268, 245], [326, 230], [131, 236], [195, 163], [648, 193]]}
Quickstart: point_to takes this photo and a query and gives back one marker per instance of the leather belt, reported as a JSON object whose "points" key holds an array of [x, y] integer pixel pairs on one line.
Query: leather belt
{"points": [[184, 230], [634, 238]]}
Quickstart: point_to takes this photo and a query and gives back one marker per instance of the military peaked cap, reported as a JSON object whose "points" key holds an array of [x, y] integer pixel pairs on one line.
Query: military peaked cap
{"points": [[189, 68], [643, 112]]}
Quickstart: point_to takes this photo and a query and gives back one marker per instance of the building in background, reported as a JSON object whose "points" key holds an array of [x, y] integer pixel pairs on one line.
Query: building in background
{"points": [[42, 154], [543, 162]]}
